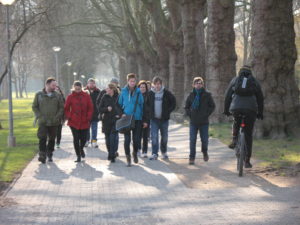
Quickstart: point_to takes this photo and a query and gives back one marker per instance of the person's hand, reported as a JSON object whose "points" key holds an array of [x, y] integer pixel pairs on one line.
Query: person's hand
{"points": [[260, 116], [145, 125], [117, 116], [124, 115], [226, 113], [109, 108]]}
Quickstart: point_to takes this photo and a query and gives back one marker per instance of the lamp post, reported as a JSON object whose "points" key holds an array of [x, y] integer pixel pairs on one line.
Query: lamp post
{"points": [[11, 139], [69, 64], [56, 49]]}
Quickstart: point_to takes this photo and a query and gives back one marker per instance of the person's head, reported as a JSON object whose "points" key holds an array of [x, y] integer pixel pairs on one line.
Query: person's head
{"points": [[77, 86], [245, 71], [50, 84], [115, 81], [91, 83], [149, 84], [111, 89], [198, 83], [157, 83], [131, 80], [143, 86]]}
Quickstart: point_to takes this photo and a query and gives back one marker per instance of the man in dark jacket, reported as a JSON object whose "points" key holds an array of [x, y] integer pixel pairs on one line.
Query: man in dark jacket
{"points": [[199, 106], [48, 108], [94, 93], [244, 99], [161, 103]]}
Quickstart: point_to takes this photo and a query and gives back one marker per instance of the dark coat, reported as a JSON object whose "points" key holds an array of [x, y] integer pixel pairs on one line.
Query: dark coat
{"points": [[109, 118], [146, 111], [94, 95], [207, 106], [79, 110], [235, 103], [168, 104]]}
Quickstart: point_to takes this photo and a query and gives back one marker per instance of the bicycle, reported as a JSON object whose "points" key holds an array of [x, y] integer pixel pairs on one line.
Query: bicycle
{"points": [[241, 147]]}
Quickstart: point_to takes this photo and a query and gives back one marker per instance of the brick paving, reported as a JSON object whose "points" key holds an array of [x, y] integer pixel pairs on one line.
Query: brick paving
{"points": [[97, 192]]}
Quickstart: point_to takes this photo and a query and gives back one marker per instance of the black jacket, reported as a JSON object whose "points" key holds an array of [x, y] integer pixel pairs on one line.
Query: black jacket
{"points": [[235, 103], [109, 118], [168, 104], [146, 110], [207, 106], [94, 95]]}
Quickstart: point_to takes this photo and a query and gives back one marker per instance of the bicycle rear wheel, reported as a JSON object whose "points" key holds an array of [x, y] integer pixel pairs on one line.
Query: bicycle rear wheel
{"points": [[242, 152]]}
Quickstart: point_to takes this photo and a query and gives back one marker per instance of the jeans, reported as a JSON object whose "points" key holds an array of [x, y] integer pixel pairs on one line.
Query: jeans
{"points": [[193, 138], [58, 135], [94, 128], [44, 133], [112, 141], [162, 126], [79, 139], [136, 132]]}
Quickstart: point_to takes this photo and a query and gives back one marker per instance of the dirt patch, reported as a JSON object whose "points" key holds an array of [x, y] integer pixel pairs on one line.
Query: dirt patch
{"points": [[4, 201], [3, 187]]}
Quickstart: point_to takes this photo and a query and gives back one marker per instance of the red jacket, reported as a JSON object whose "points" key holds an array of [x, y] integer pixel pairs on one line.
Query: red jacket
{"points": [[79, 110]]}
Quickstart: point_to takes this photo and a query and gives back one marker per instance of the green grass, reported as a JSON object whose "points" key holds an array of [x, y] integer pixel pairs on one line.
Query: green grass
{"points": [[13, 160], [276, 153]]}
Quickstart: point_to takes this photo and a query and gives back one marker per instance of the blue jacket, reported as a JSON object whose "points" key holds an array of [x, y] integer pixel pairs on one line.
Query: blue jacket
{"points": [[127, 101]]}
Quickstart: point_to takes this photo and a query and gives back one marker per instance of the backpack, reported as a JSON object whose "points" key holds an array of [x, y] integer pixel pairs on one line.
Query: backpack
{"points": [[245, 86]]}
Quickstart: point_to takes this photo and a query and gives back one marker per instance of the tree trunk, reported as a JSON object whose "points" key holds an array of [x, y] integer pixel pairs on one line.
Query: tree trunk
{"points": [[273, 60], [221, 56], [122, 71]]}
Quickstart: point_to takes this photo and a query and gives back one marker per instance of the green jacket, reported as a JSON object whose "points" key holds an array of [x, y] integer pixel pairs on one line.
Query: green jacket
{"points": [[48, 110]]}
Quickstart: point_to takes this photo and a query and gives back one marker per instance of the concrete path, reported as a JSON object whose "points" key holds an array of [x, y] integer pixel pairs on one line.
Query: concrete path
{"points": [[97, 192]]}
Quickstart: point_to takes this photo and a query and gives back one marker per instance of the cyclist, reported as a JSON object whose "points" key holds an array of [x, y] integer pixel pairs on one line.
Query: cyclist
{"points": [[244, 97]]}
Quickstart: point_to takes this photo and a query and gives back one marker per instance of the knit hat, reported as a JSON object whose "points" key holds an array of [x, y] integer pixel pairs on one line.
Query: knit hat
{"points": [[114, 80]]}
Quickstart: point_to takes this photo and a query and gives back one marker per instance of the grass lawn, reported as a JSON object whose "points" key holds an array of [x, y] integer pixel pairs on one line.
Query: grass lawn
{"points": [[277, 153], [13, 160]]}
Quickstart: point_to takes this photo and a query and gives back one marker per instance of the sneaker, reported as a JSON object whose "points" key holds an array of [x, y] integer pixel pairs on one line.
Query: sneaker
{"points": [[144, 155], [42, 159], [153, 157], [248, 165], [57, 146], [165, 156], [191, 161], [94, 144], [205, 157]]}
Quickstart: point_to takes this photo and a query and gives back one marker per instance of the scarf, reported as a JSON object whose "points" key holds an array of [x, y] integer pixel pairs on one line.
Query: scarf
{"points": [[197, 100]]}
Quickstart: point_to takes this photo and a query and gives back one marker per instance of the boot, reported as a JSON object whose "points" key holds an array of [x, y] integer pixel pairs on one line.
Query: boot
{"points": [[191, 161], [135, 157], [78, 159], [82, 154], [205, 156], [247, 163], [42, 157], [233, 142], [128, 157]]}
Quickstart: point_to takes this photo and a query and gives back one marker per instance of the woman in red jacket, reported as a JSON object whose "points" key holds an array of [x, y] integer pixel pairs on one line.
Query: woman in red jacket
{"points": [[79, 112]]}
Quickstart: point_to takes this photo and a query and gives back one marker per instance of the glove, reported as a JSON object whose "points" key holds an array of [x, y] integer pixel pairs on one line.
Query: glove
{"points": [[226, 113], [260, 116]]}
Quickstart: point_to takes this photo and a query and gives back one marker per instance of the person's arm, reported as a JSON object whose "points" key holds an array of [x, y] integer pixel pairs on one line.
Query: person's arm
{"points": [[228, 97], [35, 106], [211, 104], [172, 100], [68, 107], [90, 108], [187, 106], [102, 107], [260, 101]]}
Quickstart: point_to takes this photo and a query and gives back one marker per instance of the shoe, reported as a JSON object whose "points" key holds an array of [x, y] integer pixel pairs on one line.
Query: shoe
{"points": [[144, 155], [233, 143], [128, 158], [42, 159], [191, 161], [50, 159], [78, 159], [108, 157], [205, 157], [248, 164], [94, 144], [153, 157], [82, 154], [135, 157], [57, 146], [86, 144], [113, 160], [165, 156], [117, 154]]}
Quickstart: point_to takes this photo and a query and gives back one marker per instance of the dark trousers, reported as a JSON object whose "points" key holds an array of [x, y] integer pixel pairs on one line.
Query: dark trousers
{"points": [[249, 121], [79, 139], [58, 135], [161, 126], [144, 138], [46, 133], [203, 130], [136, 132], [112, 141]]}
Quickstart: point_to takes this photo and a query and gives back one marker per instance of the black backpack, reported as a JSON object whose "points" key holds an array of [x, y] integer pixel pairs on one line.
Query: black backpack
{"points": [[245, 86]]}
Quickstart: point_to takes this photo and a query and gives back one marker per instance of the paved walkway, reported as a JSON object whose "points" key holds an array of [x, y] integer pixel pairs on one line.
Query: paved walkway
{"points": [[97, 192]]}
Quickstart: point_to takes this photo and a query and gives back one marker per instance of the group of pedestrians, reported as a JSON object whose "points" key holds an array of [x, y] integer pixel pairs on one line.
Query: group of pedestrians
{"points": [[150, 103]]}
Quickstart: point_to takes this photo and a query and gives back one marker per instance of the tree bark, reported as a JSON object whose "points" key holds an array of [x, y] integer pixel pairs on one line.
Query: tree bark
{"points": [[221, 56], [273, 60], [122, 71]]}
